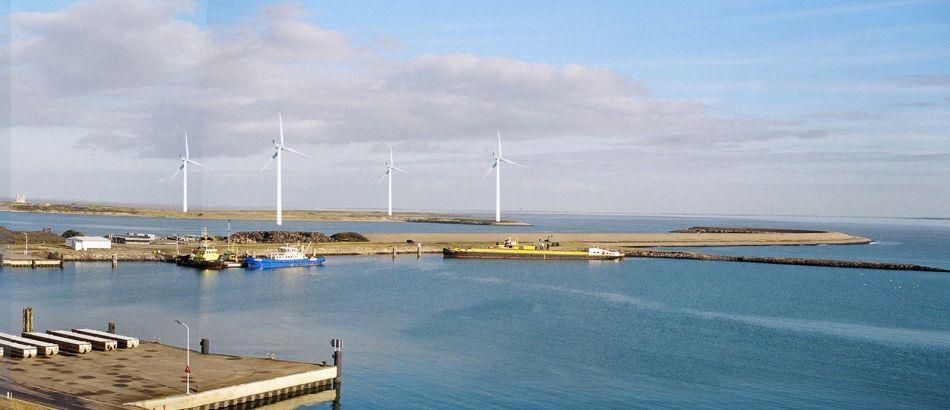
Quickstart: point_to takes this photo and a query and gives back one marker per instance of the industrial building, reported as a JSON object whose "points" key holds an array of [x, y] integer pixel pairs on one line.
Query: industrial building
{"points": [[134, 238], [81, 243]]}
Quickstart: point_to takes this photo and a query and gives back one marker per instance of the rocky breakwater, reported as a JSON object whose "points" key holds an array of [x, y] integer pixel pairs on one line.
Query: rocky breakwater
{"points": [[831, 263], [295, 237]]}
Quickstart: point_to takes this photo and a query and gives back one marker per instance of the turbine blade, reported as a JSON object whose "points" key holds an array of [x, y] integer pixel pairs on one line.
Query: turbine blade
{"points": [[383, 177], [268, 162], [512, 162], [187, 155], [499, 143], [295, 151], [281, 121], [400, 170], [199, 164], [177, 172], [489, 171]]}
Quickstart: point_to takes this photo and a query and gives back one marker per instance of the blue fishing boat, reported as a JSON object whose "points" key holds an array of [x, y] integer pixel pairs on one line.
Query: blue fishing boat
{"points": [[285, 257]]}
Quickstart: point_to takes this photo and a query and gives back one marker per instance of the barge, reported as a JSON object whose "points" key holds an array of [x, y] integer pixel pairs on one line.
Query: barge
{"points": [[512, 250]]}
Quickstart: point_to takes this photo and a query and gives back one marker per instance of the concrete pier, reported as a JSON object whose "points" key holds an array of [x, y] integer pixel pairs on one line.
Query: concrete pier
{"points": [[152, 377], [30, 262]]}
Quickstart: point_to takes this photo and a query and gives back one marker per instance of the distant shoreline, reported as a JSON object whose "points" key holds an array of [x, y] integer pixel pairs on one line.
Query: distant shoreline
{"points": [[250, 215], [633, 244], [384, 243]]}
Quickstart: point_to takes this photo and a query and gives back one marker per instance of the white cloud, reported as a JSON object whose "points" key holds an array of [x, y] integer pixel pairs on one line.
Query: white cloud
{"points": [[111, 77], [136, 73]]}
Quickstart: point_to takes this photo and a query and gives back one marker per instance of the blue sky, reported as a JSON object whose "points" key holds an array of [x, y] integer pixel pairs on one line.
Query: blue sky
{"points": [[680, 49], [827, 108]]}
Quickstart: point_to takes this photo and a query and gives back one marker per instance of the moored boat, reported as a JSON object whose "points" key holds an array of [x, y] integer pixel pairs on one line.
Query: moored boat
{"points": [[285, 257], [204, 256]]}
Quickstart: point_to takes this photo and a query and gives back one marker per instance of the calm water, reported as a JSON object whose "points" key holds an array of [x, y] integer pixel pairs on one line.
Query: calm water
{"points": [[435, 333]]}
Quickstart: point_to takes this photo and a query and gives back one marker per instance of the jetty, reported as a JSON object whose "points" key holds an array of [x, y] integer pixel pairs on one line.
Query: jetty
{"points": [[779, 260], [151, 375], [29, 261]]}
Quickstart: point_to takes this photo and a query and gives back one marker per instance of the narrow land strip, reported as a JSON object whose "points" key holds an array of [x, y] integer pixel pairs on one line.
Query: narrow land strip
{"points": [[632, 239], [252, 214], [434, 242], [830, 263], [403, 243]]}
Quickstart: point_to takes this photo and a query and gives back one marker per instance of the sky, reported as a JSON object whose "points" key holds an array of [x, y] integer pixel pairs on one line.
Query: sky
{"points": [[742, 107]]}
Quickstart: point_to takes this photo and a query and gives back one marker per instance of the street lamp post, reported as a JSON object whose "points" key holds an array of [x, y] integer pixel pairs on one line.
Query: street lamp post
{"points": [[187, 357]]}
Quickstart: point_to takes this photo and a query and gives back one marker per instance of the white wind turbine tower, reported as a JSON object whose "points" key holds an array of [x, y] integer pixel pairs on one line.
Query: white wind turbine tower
{"points": [[183, 169], [496, 166], [390, 166], [278, 148]]}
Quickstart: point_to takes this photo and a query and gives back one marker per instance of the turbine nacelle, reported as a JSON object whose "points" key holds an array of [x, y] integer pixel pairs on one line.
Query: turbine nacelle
{"points": [[186, 159], [389, 168]]}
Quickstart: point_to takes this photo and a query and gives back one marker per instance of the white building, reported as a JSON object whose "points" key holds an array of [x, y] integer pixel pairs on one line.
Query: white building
{"points": [[81, 243]]}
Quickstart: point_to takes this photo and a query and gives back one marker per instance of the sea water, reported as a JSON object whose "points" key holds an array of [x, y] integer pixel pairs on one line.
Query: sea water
{"points": [[428, 332]]}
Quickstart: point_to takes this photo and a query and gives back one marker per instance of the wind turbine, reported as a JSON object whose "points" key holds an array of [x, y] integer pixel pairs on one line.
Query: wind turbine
{"points": [[278, 148], [496, 166], [389, 173], [183, 169]]}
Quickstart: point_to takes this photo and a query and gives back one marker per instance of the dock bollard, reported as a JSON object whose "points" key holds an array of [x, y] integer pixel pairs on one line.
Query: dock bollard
{"points": [[112, 327], [337, 345], [28, 319], [205, 346]]}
